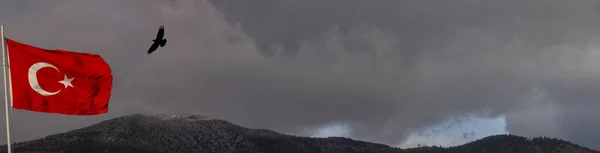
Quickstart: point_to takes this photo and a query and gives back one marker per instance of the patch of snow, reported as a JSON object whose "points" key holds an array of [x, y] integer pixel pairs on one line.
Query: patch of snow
{"points": [[187, 117]]}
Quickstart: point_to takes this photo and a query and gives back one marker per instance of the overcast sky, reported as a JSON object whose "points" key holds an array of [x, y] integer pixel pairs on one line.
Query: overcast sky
{"points": [[383, 68]]}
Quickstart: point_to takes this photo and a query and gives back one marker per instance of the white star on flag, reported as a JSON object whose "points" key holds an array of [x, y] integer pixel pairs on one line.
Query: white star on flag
{"points": [[67, 82]]}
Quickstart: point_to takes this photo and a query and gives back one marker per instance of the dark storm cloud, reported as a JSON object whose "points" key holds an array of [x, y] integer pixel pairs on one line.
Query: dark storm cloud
{"points": [[484, 55], [384, 68]]}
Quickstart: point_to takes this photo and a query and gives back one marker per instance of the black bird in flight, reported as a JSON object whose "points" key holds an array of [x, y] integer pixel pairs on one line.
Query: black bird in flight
{"points": [[159, 40]]}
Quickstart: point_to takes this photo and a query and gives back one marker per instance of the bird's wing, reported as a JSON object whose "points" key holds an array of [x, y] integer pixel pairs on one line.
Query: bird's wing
{"points": [[161, 33], [153, 48]]}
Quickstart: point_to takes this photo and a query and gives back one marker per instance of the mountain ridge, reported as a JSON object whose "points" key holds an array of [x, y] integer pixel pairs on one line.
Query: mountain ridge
{"points": [[187, 133]]}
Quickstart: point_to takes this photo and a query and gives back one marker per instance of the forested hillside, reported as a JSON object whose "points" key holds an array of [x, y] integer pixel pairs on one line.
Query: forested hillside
{"points": [[193, 134]]}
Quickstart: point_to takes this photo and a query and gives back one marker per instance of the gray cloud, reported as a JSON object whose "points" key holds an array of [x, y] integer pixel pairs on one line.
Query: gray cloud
{"points": [[385, 68]]}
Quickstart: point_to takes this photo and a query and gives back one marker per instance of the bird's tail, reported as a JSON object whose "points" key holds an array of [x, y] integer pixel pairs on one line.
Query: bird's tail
{"points": [[163, 43]]}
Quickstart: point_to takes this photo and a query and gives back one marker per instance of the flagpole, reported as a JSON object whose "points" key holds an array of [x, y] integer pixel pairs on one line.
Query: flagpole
{"points": [[5, 67]]}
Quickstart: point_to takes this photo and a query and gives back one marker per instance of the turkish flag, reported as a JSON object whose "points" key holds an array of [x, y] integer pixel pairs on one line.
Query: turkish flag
{"points": [[58, 81]]}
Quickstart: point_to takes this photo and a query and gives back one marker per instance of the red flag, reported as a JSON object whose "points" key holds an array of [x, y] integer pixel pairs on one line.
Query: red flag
{"points": [[58, 81]]}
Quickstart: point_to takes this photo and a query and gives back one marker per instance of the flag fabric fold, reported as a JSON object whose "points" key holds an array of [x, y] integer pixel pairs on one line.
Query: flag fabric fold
{"points": [[58, 81]]}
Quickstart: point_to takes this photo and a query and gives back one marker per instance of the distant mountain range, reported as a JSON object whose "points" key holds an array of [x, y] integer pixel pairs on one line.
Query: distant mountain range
{"points": [[198, 134]]}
